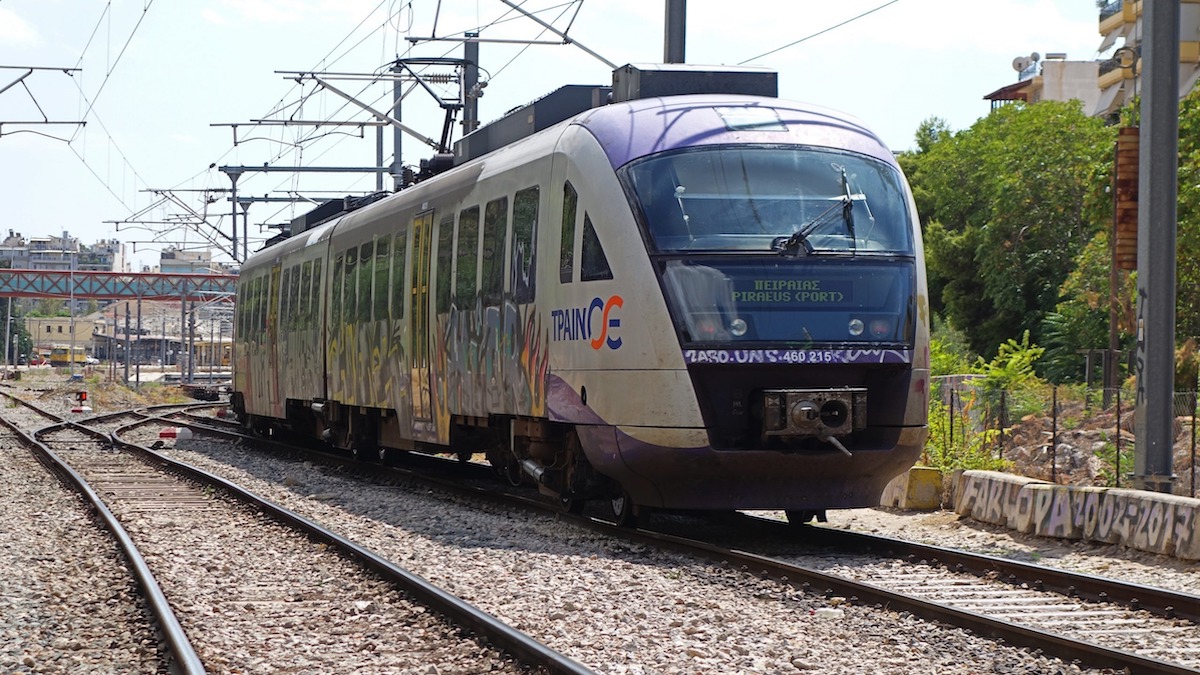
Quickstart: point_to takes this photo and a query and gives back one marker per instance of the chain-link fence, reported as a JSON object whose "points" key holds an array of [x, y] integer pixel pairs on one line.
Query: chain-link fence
{"points": [[1071, 435]]}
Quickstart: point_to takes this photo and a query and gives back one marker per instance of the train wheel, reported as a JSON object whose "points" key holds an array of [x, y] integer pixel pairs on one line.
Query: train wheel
{"points": [[571, 505], [362, 454], [803, 517], [385, 457], [624, 513], [512, 471]]}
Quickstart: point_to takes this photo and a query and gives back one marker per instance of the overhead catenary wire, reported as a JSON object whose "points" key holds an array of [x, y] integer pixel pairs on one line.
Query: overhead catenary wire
{"points": [[820, 32]]}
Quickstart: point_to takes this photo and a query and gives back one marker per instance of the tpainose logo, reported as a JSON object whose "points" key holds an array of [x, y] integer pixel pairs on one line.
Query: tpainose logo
{"points": [[594, 323]]}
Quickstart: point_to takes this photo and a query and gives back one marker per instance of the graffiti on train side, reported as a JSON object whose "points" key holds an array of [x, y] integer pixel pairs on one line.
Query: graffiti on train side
{"points": [[1147, 521], [490, 360], [368, 366]]}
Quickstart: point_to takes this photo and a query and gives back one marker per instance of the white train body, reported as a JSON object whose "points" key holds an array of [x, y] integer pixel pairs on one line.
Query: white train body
{"points": [[524, 304]]}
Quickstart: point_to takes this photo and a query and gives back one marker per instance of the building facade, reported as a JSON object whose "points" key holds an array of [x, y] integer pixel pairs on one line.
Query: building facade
{"points": [[1121, 21], [1106, 85], [61, 253]]}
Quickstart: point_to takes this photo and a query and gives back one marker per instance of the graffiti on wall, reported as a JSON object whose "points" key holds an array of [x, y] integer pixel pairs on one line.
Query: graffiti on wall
{"points": [[1147, 521]]}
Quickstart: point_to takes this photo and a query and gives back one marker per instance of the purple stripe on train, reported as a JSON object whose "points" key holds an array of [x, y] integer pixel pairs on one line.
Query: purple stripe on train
{"points": [[797, 356], [642, 127]]}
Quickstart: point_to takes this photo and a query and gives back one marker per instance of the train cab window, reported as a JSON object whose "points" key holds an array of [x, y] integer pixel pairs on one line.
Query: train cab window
{"points": [[305, 318], [316, 294], [366, 274], [594, 264], [495, 233], [445, 260], [467, 259], [335, 302], [399, 251], [382, 260], [566, 255], [525, 214]]}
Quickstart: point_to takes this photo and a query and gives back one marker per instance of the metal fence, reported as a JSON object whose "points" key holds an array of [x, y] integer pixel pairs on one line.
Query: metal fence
{"points": [[1064, 434]]}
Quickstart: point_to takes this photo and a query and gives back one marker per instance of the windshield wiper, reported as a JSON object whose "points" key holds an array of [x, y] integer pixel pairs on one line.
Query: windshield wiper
{"points": [[799, 238], [848, 210]]}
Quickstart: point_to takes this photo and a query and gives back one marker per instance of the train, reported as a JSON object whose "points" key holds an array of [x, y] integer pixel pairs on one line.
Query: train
{"points": [[678, 292]]}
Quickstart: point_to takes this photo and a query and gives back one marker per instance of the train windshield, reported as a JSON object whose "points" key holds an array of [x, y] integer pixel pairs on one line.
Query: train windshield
{"points": [[788, 199], [806, 302]]}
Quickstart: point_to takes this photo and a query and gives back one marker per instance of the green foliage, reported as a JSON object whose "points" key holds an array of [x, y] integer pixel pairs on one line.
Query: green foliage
{"points": [[1081, 319], [1187, 263], [1006, 207], [1012, 366], [1109, 470], [1082, 310], [945, 358], [954, 444]]}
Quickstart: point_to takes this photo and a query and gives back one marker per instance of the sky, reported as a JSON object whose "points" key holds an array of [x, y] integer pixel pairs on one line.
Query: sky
{"points": [[160, 84]]}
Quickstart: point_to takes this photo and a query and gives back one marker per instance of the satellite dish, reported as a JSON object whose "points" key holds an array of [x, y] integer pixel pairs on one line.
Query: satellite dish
{"points": [[1021, 63], [1035, 57]]}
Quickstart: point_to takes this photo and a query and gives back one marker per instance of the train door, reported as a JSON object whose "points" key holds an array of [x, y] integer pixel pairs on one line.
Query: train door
{"points": [[419, 328]]}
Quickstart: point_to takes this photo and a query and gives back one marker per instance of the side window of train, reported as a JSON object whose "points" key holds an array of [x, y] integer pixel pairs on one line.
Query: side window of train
{"points": [[296, 305], [260, 314], [315, 308], [594, 264], [445, 259], [468, 257], [525, 216], [383, 250], [366, 275], [251, 309], [285, 299], [335, 301], [566, 255], [306, 295], [239, 311], [399, 276], [495, 232], [349, 286], [273, 309]]}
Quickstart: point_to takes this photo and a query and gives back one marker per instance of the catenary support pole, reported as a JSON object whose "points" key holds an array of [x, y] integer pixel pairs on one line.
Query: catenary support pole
{"points": [[675, 33], [1157, 170]]}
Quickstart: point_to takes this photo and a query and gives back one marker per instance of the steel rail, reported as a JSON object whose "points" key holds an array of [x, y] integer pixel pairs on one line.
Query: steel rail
{"points": [[806, 579], [186, 661], [504, 637], [1052, 644], [1158, 601]]}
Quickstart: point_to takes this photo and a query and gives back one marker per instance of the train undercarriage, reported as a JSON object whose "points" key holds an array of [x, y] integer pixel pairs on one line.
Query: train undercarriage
{"points": [[525, 451]]}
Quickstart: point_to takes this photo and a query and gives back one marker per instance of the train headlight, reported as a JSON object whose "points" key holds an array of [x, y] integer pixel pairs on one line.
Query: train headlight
{"points": [[856, 327], [738, 327], [880, 327]]}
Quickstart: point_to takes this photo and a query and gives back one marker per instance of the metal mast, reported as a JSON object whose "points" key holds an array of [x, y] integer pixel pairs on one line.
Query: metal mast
{"points": [[675, 31], [1157, 192]]}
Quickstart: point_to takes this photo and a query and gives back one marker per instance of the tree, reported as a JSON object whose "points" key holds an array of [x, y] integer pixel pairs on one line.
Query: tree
{"points": [[1005, 207]]}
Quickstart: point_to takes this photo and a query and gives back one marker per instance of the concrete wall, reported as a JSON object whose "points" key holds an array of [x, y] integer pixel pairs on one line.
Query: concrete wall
{"points": [[1147, 521]]}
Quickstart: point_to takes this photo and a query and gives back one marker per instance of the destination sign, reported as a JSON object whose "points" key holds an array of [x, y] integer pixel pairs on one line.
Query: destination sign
{"points": [[793, 291]]}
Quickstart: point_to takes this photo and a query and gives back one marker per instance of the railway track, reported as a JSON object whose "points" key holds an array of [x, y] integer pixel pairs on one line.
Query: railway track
{"points": [[1097, 621], [254, 584], [1081, 618]]}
